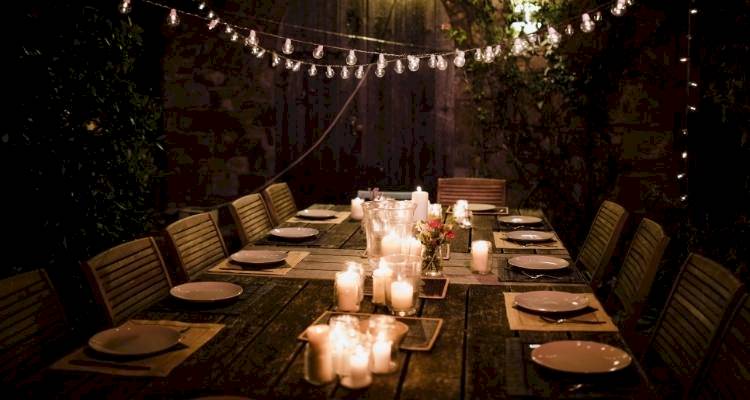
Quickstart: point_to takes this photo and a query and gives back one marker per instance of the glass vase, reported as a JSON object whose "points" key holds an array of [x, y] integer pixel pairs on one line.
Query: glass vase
{"points": [[431, 261]]}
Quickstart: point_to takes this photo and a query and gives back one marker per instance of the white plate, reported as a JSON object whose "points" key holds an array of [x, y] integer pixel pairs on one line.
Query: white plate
{"points": [[259, 257], [552, 301], [545, 263], [530, 236], [206, 292], [316, 214], [480, 207], [579, 356], [294, 233], [135, 340], [519, 219]]}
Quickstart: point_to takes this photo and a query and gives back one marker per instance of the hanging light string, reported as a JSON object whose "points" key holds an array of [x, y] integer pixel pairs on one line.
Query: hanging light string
{"points": [[690, 108], [251, 38]]}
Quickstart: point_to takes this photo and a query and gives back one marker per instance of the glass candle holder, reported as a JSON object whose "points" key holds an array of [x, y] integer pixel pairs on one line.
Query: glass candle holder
{"points": [[359, 369], [480, 256], [385, 223], [435, 211], [359, 270], [382, 330], [404, 291], [343, 337], [381, 283], [347, 290]]}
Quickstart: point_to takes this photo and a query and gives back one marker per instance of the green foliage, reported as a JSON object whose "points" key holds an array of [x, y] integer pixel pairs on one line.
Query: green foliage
{"points": [[89, 139]]}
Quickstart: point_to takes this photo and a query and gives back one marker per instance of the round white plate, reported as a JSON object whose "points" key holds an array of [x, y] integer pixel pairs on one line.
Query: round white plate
{"points": [[206, 292], [530, 236], [545, 263], [294, 233], [259, 257], [579, 356], [519, 219], [316, 214], [480, 207], [135, 340], [552, 301]]}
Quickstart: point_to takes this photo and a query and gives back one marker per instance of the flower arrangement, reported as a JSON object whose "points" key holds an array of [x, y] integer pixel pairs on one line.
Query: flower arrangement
{"points": [[432, 234]]}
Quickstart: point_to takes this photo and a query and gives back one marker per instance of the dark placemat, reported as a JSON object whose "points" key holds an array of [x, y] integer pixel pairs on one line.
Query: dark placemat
{"points": [[524, 377], [508, 273], [503, 227], [432, 288], [421, 335]]}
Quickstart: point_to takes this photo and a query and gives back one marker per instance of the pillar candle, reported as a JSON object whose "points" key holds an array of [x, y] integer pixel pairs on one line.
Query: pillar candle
{"points": [[381, 280], [391, 244], [347, 291], [435, 211], [381, 356], [357, 211], [421, 199], [318, 357], [480, 256], [401, 295]]}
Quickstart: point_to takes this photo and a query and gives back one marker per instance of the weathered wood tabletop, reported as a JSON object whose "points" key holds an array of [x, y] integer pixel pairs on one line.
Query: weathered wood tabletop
{"points": [[258, 355]]}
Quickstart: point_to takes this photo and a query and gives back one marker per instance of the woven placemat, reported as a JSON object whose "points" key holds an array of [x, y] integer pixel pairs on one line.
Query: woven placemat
{"points": [[161, 364], [501, 242], [229, 267], [527, 321]]}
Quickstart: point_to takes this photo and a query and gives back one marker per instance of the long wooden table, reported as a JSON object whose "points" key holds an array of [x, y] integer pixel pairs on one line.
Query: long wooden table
{"points": [[258, 355]]}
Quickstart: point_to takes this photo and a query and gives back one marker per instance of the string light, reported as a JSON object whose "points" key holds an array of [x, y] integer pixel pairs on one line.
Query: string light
{"points": [[344, 72], [460, 59], [619, 9], [442, 65], [412, 63], [213, 23], [351, 58], [318, 52], [399, 68], [124, 7], [313, 70], [569, 30], [275, 60], [252, 39], [202, 5], [432, 62], [287, 48], [489, 54], [360, 72], [380, 72], [587, 25], [598, 16], [553, 36], [173, 20], [329, 72]]}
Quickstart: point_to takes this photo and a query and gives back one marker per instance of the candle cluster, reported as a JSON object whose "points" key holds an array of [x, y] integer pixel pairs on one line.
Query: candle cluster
{"points": [[462, 214], [350, 349]]}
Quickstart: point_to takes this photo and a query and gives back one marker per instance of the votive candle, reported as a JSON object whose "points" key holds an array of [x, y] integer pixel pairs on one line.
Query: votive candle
{"points": [[359, 370], [381, 356], [480, 256], [402, 293], [391, 244], [357, 210], [381, 281]]}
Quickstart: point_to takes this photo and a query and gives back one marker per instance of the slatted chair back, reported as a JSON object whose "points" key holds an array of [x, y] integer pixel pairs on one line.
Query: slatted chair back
{"points": [[280, 202], [474, 190], [596, 252], [701, 299], [196, 244], [727, 375], [128, 278], [638, 270], [251, 217], [32, 325]]}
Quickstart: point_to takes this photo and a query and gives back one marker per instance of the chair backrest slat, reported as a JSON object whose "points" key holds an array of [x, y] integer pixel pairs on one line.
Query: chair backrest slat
{"points": [[701, 300], [601, 241], [32, 324], [280, 202], [196, 244], [127, 278], [474, 190], [251, 217]]}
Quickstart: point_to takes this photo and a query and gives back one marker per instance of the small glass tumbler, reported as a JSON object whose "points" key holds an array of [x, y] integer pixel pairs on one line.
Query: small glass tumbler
{"points": [[347, 291]]}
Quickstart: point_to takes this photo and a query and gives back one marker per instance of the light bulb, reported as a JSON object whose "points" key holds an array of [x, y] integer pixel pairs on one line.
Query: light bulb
{"points": [[432, 62], [553, 36], [173, 19], [254, 50], [683, 59], [569, 30], [318, 52], [489, 55], [683, 197], [345, 73], [441, 63], [297, 66], [313, 70], [288, 64], [519, 46], [694, 11], [691, 108], [287, 48], [598, 16], [235, 36], [359, 73], [124, 7], [413, 63], [228, 29], [211, 14], [251, 39], [684, 154], [275, 60], [460, 59], [213, 23], [478, 55], [381, 61], [399, 68], [380, 72], [202, 5], [260, 53], [693, 84], [329, 72], [497, 50], [680, 175], [684, 132], [351, 58], [587, 25], [617, 11]]}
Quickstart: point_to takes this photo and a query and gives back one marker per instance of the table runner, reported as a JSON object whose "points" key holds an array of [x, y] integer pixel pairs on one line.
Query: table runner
{"points": [[501, 242], [160, 364], [341, 216], [526, 321], [292, 259]]}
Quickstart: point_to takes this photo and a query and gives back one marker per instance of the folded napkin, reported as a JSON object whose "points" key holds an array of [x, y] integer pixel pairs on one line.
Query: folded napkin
{"points": [[502, 242], [520, 320], [228, 267], [341, 216], [160, 364]]}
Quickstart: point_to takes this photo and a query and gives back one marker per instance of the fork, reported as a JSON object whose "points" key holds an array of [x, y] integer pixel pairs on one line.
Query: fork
{"points": [[536, 276]]}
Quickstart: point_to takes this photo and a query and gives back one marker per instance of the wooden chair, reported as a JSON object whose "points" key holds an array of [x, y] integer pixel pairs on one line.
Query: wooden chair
{"points": [[196, 244], [475, 190], [32, 325], [637, 274], [701, 299], [128, 278], [251, 217], [280, 202], [727, 375], [596, 252]]}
